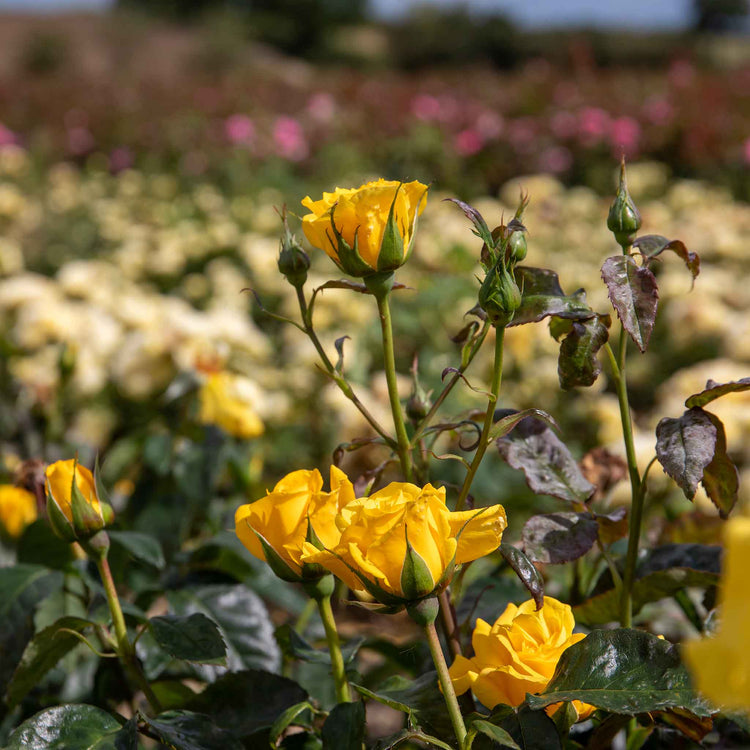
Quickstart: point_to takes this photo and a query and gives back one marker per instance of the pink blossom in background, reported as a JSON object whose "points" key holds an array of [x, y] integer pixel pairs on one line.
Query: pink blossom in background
{"points": [[120, 158], [425, 107], [80, 141], [658, 110], [449, 108], [625, 135], [593, 125], [289, 139], [468, 142], [239, 130], [490, 125], [563, 125], [7, 136], [555, 159], [321, 107]]}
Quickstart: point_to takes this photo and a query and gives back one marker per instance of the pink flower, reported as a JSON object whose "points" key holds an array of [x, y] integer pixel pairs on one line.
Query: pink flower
{"points": [[555, 159], [239, 130], [468, 142], [490, 125], [593, 124], [563, 125], [321, 106], [425, 107], [80, 141], [290, 139], [658, 110], [624, 135]]}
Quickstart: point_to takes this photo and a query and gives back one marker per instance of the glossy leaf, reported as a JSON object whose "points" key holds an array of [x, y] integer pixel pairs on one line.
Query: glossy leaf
{"points": [[546, 462], [578, 364], [498, 735], [525, 570], [66, 727], [39, 545], [624, 671], [506, 420], [559, 537], [142, 547], [248, 701], [653, 245], [714, 390], [243, 622], [22, 587], [543, 297], [344, 729], [721, 479], [634, 295], [41, 654], [185, 730], [287, 719], [529, 729], [685, 447], [191, 637]]}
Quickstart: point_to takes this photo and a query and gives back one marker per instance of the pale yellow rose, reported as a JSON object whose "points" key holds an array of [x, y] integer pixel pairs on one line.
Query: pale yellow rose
{"points": [[721, 664], [17, 509], [372, 552], [226, 401], [518, 654], [360, 217], [283, 519]]}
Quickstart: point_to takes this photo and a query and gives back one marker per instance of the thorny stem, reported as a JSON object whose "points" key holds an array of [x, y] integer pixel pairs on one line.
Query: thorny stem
{"points": [[449, 694], [334, 648], [124, 648], [346, 389], [497, 375]]}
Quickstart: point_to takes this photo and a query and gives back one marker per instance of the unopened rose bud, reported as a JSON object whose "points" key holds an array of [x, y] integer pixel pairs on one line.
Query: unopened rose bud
{"points": [[293, 260], [499, 295], [624, 219]]}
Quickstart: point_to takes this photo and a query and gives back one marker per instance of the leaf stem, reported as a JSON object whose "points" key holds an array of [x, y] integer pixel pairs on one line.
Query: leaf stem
{"points": [[334, 648], [389, 365], [449, 694], [497, 375], [124, 648]]}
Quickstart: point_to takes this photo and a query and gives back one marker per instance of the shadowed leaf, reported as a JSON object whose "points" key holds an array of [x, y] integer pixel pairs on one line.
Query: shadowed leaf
{"points": [[653, 245], [578, 364], [525, 570], [721, 479], [715, 390], [559, 537], [192, 638], [185, 730], [542, 296], [344, 729]]}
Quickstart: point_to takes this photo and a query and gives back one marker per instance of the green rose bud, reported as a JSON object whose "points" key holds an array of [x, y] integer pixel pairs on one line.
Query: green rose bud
{"points": [[624, 219], [499, 295], [293, 261]]}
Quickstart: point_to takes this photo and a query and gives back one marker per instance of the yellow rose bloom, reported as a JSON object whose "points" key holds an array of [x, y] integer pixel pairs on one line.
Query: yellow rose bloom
{"points": [[352, 225], [277, 524], [721, 664], [402, 542], [518, 654], [17, 509], [74, 512], [226, 400]]}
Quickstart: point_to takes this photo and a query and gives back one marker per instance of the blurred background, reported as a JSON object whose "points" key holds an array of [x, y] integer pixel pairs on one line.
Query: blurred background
{"points": [[145, 145]]}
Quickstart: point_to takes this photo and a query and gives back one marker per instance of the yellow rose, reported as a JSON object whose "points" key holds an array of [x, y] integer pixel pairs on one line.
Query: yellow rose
{"points": [[276, 527], [721, 664], [369, 229], [17, 509], [401, 544], [226, 401], [517, 655], [73, 504]]}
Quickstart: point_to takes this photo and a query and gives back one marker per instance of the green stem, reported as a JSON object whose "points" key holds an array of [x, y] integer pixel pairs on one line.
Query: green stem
{"points": [[334, 648], [449, 694], [125, 650], [341, 382], [389, 364], [497, 375], [636, 495]]}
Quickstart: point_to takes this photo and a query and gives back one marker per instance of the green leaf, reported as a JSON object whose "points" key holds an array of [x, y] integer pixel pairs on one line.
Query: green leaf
{"points": [[720, 478], [543, 297], [420, 698], [624, 671], [142, 547], [715, 390], [248, 701], [559, 537], [387, 743], [497, 734], [39, 545], [661, 573], [529, 729], [191, 637], [22, 587], [242, 619], [578, 364], [66, 727], [525, 570], [634, 295], [505, 422], [653, 245], [344, 729], [41, 654], [685, 447], [547, 464], [185, 730], [294, 646], [288, 717]]}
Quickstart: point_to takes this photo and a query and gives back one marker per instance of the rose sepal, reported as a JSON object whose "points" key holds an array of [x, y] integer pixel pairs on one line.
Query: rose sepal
{"points": [[416, 578]]}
